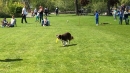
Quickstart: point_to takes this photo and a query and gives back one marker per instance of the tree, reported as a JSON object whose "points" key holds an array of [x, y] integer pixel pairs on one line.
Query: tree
{"points": [[99, 6], [84, 2], [63, 5], [76, 7], [12, 7], [126, 2], [111, 3], [1, 5]]}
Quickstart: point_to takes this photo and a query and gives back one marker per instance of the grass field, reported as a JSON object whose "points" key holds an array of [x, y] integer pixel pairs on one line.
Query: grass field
{"points": [[31, 48]]}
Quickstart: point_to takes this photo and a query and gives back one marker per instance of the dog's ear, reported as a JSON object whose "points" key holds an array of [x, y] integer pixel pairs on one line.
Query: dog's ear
{"points": [[57, 35]]}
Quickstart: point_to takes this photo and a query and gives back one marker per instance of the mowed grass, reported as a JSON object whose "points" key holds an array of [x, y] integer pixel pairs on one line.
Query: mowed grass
{"points": [[31, 48]]}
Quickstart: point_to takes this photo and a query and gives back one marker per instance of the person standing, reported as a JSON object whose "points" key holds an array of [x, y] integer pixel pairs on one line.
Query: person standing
{"points": [[46, 11], [35, 11], [97, 18], [114, 14], [57, 11], [126, 17], [24, 13], [37, 17], [40, 13], [120, 16]]}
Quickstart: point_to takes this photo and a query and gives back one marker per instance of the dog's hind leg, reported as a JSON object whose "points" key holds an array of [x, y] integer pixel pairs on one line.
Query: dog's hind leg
{"points": [[64, 43], [68, 41]]}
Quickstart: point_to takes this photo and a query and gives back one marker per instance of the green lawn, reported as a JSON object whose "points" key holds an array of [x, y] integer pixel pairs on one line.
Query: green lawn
{"points": [[31, 48]]}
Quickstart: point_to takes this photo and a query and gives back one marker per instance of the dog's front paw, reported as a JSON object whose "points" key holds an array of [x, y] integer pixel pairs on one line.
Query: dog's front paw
{"points": [[64, 45]]}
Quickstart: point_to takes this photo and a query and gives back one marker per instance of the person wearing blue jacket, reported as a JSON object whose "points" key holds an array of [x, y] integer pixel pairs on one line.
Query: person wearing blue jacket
{"points": [[97, 18], [120, 13]]}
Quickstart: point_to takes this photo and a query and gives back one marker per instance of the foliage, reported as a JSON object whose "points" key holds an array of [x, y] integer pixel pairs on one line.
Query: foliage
{"points": [[84, 2], [37, 3], [11, 7], [18, 9], [1, 6], [2, 15], [113, 2], [100, 6], [126, 2], [65, 5], [107, 3], [45, 3]]}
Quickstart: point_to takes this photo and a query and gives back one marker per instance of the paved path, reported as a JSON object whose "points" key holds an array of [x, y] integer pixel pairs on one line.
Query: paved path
{"points": [[29, 15]]}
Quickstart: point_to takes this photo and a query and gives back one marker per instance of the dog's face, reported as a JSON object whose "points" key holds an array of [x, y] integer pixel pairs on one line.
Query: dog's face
{"points": [[59, 36]]}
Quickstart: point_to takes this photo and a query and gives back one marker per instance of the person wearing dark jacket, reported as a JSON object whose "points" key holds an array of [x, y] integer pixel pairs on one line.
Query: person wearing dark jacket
{"points": [[126, 17], [40, 13]]}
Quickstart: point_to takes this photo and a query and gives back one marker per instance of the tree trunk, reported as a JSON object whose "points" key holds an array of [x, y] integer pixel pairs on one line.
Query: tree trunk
{"points": [[108, 8], [76, 7]]}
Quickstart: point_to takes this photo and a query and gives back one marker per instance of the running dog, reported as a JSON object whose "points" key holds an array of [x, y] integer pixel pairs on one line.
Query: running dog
{"points": [[65, 38]]}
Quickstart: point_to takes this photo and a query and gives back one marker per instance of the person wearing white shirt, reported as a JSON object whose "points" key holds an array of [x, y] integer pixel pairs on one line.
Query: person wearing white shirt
{"points": [[13, 22], [37, 17], [35, 11], [114, 14], [24, 13]]}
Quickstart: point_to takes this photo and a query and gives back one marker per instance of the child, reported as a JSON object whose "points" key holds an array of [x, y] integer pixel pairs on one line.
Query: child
{"points": [[114, 14], [45, 22], [97, 18], [37, 17], [120, 13], [4, 22]]}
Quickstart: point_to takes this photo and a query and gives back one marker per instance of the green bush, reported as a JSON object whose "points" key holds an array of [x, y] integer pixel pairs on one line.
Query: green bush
{"points": [[17, 15], [2, 15], [18, 12], [18, 9], [13, 8]]}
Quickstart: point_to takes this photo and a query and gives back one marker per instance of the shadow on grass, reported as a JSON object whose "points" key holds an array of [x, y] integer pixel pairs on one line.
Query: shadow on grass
{"points": [[69, 45], [11, 60]]}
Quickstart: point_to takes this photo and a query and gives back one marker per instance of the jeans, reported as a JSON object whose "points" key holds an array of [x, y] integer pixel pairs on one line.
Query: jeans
{"points": [[126, 21], [23, 17], [114, 16], [120, 20], [41, 17], [47, 23], [97, 21]]}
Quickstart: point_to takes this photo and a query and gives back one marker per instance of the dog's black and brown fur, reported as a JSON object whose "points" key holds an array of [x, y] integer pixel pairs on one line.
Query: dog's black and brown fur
{"points": [[105, 23], [65, 38]]}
